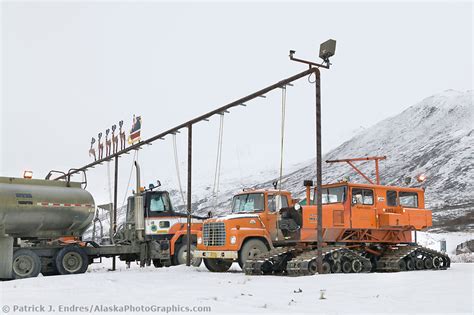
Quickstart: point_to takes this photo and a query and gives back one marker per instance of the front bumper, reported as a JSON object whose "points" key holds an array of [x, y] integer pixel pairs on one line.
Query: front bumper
{"points": [[223, 254]]}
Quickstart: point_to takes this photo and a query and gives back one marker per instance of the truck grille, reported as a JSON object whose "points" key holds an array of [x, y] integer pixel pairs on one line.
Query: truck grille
{"points": [[213, 234]]}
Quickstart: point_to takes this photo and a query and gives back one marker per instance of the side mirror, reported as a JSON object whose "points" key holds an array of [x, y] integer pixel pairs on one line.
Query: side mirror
{"points": [[297, 207]]}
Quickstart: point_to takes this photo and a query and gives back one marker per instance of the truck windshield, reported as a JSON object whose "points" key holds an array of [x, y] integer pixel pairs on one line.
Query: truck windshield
{"points": [[160, 202], [248, 203], [334, 194]]}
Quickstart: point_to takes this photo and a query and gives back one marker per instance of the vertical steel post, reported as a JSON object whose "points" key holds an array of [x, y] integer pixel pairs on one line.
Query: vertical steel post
{"points": [[377, 171], [319, 167], [115, 206], [188, 228]]}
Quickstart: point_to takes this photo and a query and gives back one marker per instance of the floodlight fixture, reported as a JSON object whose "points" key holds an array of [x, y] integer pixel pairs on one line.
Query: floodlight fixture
{"points": [[326, 51]]}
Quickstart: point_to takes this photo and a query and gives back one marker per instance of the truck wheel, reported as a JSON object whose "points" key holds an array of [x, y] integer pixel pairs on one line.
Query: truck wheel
{"points": [[179, 257], [71, 260], [251, 249], [217, 265], [26, 264]]}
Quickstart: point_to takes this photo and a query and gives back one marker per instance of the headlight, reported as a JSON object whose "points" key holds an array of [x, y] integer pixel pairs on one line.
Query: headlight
{"points": [[233, 240], [199, 240]]}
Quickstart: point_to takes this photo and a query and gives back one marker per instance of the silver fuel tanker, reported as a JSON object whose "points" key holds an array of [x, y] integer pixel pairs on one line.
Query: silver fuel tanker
{"points": [[36, 209]]}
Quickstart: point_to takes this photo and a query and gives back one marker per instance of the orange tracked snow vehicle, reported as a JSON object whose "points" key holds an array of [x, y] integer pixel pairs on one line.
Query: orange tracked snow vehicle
{"points": [[366, 227]]}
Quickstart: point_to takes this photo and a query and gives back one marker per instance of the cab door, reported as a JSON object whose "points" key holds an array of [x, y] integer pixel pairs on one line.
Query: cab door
{"points": [[363, 208], [274, 204]]}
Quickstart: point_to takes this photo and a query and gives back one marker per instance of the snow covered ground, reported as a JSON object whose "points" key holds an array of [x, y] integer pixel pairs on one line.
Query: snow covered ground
{"points": [[171, 289], [440, 292]]}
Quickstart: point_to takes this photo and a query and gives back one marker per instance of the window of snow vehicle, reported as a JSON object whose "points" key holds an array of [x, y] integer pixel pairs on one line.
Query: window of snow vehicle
{"points": [[408, 199], [362, 196], [333, 195], [272, 202], [248, 203], [159, 202], [391, 198]]}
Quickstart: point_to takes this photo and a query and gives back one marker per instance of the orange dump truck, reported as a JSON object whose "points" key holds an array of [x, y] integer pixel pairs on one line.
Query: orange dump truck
{"points": [[366, 227]]}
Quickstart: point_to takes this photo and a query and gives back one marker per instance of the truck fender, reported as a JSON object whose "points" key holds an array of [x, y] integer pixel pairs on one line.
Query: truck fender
{"points": [[181, 237]]}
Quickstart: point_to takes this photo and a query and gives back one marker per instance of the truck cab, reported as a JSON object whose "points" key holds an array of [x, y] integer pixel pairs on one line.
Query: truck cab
{"points": [[165, 225], [250, 229]]}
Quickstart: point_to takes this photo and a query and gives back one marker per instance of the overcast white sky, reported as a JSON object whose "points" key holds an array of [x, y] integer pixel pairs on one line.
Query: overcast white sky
{"points": [[72, 69]]}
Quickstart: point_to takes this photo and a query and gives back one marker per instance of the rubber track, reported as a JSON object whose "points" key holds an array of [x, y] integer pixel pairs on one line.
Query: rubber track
{"points": [[266, 261], [299, 266], [391, 258]]}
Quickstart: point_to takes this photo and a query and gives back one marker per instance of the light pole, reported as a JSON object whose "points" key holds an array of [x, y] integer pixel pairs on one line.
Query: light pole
{"points": [[326, 50]]}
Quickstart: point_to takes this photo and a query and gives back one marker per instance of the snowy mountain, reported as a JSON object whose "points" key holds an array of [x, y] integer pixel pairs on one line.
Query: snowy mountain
{"points": [[434, 137]]}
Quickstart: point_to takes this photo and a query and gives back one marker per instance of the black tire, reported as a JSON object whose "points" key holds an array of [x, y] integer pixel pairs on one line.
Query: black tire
{"points": [[419, 265], [326, 268], [336, 267], [179, 257], [251, 248], [356, 266], [410, 264], [402, 265], [217, 265], [71, 260], [26, 264], [428, 261], [346, 266]]}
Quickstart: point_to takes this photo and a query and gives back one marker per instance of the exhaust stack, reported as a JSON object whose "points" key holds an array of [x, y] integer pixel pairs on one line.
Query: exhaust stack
{"points": [[139, 209]]}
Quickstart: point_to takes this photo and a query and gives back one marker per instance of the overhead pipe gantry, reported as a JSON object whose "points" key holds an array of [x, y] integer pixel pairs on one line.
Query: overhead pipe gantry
{"points": [[313, 69]]}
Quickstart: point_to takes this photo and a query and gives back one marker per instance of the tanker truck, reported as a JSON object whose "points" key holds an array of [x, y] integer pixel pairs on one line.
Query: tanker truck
{"points": [[42, 226]]}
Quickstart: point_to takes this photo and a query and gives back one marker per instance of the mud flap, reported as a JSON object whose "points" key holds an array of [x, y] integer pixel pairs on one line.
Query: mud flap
{"points": [[6, 254]]}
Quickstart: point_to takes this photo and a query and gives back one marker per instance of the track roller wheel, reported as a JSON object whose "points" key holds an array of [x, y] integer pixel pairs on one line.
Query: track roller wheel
{"points": [[436, 262], [428, 261], [356, 266], [335, 255], [410, 264], [402, 265], [346, 266], [336, 267], [326, 268], [313, 267], [419, 265]]}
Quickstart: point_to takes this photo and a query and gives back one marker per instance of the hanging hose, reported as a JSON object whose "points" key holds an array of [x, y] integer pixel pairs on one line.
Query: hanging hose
{"points": [[217, 173], [283, 113], [176, 163], [135, 158], [109, 181]]}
